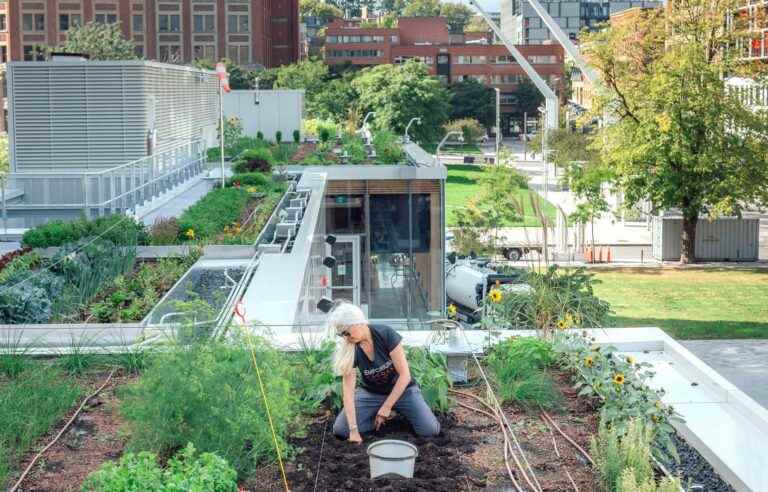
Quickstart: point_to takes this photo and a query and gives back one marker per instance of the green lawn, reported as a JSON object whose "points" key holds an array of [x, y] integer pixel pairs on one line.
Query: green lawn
{"points": [[463, 184], [689, 303], [452, 148]]}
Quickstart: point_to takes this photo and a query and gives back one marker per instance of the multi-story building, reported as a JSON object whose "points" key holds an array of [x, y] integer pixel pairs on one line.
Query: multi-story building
{"points": [[250, 32], [521, 23], [450, 57]]}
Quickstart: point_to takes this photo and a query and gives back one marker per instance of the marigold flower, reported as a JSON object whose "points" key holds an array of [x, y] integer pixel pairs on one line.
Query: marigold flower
{"points": [[190, 233], [618, 379], [495, 295]]}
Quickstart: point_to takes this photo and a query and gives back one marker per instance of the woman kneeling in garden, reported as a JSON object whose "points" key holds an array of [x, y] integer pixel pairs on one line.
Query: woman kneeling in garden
{"points": [[386, 379]]}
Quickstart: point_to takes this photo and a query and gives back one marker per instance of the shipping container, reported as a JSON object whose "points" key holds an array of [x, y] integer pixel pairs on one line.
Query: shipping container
{"points": [[722, 239]]}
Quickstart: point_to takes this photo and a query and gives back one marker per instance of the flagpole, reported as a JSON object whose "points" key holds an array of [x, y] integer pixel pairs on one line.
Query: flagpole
{"points": [[221, 126]]}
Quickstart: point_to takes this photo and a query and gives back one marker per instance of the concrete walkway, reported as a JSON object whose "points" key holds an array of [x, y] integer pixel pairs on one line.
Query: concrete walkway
{"points": [[179, 203], [742, 362]]}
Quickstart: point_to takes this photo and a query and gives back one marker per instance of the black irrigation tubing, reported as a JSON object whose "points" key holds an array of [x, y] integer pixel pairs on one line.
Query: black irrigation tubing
{"points": [[320, 458]]}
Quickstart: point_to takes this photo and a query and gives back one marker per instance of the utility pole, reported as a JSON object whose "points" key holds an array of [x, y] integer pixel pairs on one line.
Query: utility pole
{"points": [[525, 135], [498, 124]]}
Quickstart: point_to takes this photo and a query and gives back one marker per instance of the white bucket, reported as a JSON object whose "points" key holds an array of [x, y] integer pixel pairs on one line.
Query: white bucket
{"points": [[392, 456]]}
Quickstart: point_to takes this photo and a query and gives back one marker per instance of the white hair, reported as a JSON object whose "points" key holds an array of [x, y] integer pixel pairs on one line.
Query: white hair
{"points": [[343, 316]]}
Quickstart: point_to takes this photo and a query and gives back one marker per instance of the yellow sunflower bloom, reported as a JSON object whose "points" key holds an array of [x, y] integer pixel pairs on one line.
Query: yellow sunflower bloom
{"points": [[588, 361], [495, 295], [452, 310], [618, 379], [251, 189], [630, 360], [562, 324], [190, 233]]}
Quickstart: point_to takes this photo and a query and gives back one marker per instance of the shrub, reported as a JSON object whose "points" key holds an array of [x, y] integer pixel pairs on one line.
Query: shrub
{"points": [[233, 132], [259, 180], [355, 150], [283, 153], [207, 217], [471, 129], [388, 150], [139, 472], [208, 395], [518, 366], [21, 260], [296, 136], [118, 228], [278, 137], [255, 160], [259, 135], [10, 256], [165, 230], [430, 370], [324, 134], [317, 127]]}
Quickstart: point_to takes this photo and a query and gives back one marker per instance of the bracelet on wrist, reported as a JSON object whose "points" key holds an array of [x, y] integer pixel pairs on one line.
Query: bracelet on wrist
{"points": [[352, 428]]}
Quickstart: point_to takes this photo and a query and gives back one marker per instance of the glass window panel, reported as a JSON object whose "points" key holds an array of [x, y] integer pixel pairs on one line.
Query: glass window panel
{"points": [[63, 22], [26, 23], [138, 23], [40, 22], [243, 23]]}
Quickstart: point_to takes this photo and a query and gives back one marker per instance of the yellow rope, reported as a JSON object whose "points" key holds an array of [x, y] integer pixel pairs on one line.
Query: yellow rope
{"points": [[266, 406]]}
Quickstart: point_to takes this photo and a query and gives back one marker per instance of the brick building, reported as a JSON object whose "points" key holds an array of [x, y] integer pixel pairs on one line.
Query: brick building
{"points": [[450, 57], [250, 32]]}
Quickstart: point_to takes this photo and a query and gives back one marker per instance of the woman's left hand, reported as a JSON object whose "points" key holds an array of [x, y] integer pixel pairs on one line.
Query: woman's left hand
{"points": [[382, 416]]}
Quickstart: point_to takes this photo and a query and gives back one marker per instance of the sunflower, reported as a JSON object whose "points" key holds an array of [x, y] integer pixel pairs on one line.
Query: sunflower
{"points": [[659, 404], [630, 360], [588, 361], [562, 324], [190, 233], [495, 295], [568, 320], [251, 189], [655, 419], [452, 310], [618, 379]]}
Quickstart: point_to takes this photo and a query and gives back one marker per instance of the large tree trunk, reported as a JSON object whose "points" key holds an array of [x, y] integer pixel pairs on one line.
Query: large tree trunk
{"points": [[688, 251]]}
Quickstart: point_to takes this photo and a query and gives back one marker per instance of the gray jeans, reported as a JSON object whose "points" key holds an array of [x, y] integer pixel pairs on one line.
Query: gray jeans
{"points": [[411, 405]]}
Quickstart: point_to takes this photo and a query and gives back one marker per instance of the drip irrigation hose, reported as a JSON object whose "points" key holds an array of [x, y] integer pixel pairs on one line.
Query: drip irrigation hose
{"points": [[470, 407], [266, 408], [61, 432], [320, 458], [557, 452], [579, 448]]}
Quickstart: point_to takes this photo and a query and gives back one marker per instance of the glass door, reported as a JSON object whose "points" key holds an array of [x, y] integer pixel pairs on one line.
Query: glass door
{"points": [[345, 276]]}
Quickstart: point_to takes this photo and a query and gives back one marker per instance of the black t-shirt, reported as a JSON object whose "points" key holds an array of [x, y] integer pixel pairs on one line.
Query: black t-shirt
{"points": [[379, 376]]}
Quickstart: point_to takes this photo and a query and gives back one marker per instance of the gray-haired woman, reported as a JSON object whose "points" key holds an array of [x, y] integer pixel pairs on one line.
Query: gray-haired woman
{"points": [[377, 352]]}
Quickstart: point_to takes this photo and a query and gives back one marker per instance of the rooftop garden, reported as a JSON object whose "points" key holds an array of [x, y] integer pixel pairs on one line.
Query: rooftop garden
{"points": [[555, 412]]}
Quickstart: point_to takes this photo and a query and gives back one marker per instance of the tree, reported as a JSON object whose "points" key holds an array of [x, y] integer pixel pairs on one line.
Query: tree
{"points": [[457, 15], [471, 130], [240, 78], [473, 99], [99, 41], [310, 75], [677, 138], [422, 8], [317, 8], [586, 181], [476, 23], [528, 98], [393, 7], [397, 93]]}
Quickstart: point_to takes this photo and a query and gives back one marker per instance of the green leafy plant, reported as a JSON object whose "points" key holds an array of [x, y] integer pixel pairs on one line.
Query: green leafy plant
{"points": [[283, 153], [278, 137], [165, 230], [355, 150], [314, 378], [388, 150], [208, 394], [233, 132], [296, 136], [519, 369], [20, 263], [14, 358], [118, 229], [255, 160], [27, 297], [471, 129], [430, 370], [207, 217], [259, 135], [185, 471], [31, 405]]}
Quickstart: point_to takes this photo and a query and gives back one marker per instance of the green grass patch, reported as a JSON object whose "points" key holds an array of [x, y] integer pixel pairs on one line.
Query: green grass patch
{"points": [[31, 403], [452, 148], [219, 208], [463, 183], [689, 303]]}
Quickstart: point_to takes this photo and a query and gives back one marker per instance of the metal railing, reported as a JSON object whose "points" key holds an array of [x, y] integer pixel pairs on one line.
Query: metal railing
{"points": [[118, 189]]}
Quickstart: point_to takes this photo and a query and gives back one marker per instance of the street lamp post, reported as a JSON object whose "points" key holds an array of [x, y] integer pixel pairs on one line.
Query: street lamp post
{"points": [[408, 127], [543, 111], [445, 138], [498, 123]]}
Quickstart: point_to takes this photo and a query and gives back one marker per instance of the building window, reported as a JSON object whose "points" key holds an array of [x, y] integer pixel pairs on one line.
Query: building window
{"points": [[355, 53], [3, 54], [427, 60], [3, 25], [542, 59], [507, 79], [471, 59], [237, 23], [68, 20], [203, 23], [204, 52], [139, 50], [33, 22], [169, 23], [33, 53], [502, 59], [169, 53], [105, 18], [137, 23], [240, 54]]}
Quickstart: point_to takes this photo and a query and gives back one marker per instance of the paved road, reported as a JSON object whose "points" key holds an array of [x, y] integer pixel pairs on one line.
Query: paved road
{"points": [[742, 362]]}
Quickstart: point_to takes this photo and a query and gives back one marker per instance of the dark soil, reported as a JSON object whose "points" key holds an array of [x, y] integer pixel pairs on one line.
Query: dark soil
{"points": [[695, 470], [91, 440]]}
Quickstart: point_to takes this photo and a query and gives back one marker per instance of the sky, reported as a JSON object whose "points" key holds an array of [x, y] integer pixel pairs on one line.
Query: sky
{"points": [[487, 5]]}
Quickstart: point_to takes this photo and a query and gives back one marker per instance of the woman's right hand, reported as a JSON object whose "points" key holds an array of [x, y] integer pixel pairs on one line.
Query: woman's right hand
{"points": [[355, 437]]}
